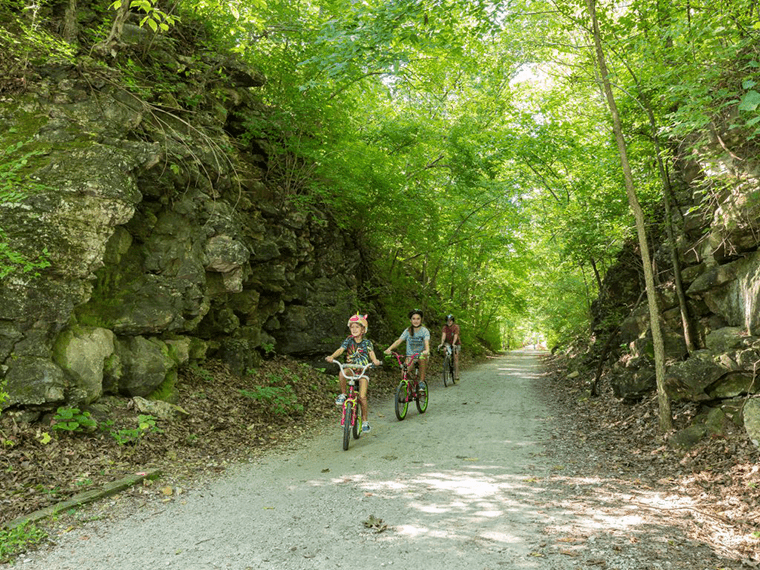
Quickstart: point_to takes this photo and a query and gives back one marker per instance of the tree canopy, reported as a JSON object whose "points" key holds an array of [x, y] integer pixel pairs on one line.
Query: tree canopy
{"points": [[468, 141]]}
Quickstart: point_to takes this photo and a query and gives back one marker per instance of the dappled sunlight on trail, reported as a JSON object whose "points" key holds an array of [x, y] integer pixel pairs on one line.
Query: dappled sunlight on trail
{"points": [[465, 482], [471, 483]]}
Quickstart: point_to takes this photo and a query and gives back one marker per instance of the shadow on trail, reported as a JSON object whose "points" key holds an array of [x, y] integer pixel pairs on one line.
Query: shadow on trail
{"points": [[504, 496], [567, 520], [472, 483]]}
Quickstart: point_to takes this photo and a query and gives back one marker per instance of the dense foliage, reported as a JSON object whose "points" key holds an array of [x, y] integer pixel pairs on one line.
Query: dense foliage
{"points": [[466, 141]]}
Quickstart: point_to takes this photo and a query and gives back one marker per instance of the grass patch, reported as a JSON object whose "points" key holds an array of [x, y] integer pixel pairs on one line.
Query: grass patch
{"points": [[19, 539]]}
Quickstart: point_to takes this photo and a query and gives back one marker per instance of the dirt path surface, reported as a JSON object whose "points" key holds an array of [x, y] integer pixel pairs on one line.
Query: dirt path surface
{"points": [[473, 483]]}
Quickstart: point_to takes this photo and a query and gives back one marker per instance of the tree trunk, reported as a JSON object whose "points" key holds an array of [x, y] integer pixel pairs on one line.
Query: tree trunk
{"points": [[665, 415], [597, 276], [122, 13], [688, 331], [70, 23], [393, 262]]}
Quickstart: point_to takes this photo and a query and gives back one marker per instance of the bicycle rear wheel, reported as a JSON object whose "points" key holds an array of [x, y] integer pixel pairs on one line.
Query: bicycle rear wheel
{"points": [[422, 397], [347, 411], [446, 371], [357, 421], [402, 400]]}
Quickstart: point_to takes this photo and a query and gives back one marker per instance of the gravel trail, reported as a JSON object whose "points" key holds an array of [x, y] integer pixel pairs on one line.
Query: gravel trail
{"points": [[467, 484]]}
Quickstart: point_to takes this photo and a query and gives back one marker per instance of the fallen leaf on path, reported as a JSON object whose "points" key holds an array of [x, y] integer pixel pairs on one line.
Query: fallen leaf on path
{"points": [[569, 539], [568, 552], [376, 523]]}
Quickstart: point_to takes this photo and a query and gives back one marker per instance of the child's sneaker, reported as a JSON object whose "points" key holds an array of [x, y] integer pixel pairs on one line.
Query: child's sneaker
{"points": [[340, 400], [421, 387], [365, 427]]}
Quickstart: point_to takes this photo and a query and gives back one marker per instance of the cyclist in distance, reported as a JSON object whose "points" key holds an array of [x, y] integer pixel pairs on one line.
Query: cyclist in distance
{"points": [[417, 339], [450, 335], [359, 350]]}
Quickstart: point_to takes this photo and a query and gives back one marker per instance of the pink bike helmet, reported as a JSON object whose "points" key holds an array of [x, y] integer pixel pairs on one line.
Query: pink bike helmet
{"points": [[361, 319]]}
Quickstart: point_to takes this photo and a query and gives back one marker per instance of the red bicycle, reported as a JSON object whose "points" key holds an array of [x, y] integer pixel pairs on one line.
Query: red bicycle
{"points": [[351, 417], [409, 388]]}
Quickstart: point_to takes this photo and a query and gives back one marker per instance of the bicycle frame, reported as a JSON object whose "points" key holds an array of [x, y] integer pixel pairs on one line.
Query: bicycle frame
{"points": [[408, 389], [406, 362], [350, 417], [448, 364]]}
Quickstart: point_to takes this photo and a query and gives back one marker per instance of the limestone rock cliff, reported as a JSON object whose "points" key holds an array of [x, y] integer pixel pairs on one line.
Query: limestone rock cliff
{"points": [[719, 228], [160, 240]]}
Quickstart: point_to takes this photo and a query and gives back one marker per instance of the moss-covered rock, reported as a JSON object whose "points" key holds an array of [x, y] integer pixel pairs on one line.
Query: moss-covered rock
{"points": [[81, 353], [145, 365]]}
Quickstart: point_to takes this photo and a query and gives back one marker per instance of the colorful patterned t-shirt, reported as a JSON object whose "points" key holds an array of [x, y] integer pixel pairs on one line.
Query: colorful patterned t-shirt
{"points": [[357, 352]]}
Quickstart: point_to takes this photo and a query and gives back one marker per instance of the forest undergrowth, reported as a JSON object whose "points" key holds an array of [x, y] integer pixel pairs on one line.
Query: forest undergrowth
{"points": [[718, 478]]}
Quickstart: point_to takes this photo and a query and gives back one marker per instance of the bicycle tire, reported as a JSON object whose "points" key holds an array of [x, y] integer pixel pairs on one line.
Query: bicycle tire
{"points": [[401, 403], [446, 371], [356, 428], [347, 411], [421, 398]]}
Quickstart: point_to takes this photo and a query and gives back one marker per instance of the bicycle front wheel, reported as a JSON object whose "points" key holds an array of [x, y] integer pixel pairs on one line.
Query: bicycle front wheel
{"points": [[357, 421], [402, 400], [422, 398], [348, 409], [446, 372]]}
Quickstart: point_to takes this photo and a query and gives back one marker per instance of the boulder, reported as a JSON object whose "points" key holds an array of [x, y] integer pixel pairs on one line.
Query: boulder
{"points": [[145, 364], [735, 384], [634, 381], [725, 339], [179, 350], [81, 353], [158, 409], [35, 382], [732, 291], [713, 422], [751, 415], [689, 380]]}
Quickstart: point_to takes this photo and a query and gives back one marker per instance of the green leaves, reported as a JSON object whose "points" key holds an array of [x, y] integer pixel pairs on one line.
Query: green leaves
{"points": [[16, 184], [73, 420], [750, 101], [19, 539], [468, 143]]}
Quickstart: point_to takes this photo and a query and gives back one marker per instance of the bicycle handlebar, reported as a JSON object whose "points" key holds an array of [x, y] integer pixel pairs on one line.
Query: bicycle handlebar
{"points": [[412, 357], [348, 369]]}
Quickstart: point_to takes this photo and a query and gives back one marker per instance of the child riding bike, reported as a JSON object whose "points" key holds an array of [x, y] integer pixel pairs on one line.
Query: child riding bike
{"points": [[417, 339], [359, 351]]}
